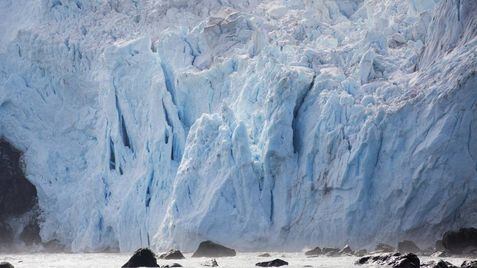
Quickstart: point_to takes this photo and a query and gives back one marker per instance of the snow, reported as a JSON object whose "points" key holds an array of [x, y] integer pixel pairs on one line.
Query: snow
{"points": [[257, 124]]}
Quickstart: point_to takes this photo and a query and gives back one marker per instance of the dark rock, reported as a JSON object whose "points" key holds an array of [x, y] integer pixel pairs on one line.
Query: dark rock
{"points": [[470, 251], [172, 254], [440, 254], [409, 260], [211, 263], [211, 249], [408, 246], [395, 260], [334, 253], [346, 250], [6, 265], [363, 260], [439, 264], [21, 196], [172, 265], [53, 246], [6, 234], [143, 257], [427, 252], [381, 247], [457, 241], [31, 233], [361, 252], [274, 263], [328, 250], [265, 255], [314, 252], [469, 264], [439, 246]]}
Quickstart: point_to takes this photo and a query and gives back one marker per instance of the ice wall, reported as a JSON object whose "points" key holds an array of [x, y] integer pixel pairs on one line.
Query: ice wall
{"points": [[258, 124]]}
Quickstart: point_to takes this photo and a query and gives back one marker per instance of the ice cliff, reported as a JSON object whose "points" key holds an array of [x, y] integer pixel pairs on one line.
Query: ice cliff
{"points": [[258, 124]]}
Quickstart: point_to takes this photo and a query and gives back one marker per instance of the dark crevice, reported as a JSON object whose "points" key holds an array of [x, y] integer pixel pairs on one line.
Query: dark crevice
{"points": [[271, 205], [148, 190], [299, 103], [174, 154], [173, 148], [112, 157], [122, 127], [169, 81], [124, 134]]}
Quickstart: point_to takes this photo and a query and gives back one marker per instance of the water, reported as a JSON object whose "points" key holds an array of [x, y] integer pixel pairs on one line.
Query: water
{"points": [[242, 260]]}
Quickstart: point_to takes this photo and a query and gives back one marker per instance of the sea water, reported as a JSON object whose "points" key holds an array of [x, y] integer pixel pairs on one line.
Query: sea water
{"points": [[242, 260]]}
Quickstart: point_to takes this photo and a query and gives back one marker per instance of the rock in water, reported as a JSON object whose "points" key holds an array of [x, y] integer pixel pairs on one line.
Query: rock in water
{"points": [[143, 257], [172, 254], [274, 263], [439, 264], [395, 260], [361, 252], [211, 249], [346, 250], [330, 252], [457, 241], [406, 261], [264, 255], [172, 265], [314, 252], [440, 254], [381, 247], [6, 265], [408, 246], [469, 264], [211, 263]]}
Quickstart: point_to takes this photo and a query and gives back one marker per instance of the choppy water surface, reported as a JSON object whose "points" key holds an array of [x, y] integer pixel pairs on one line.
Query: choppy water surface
{"points": [[106, 260]]}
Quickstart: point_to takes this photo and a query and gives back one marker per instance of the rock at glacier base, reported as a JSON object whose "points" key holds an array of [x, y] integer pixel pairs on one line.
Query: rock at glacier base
{"points": [[143, 257]]}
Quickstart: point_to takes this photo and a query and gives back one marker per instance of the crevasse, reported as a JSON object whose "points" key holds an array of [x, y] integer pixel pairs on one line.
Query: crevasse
{"points": [[257, 124]]}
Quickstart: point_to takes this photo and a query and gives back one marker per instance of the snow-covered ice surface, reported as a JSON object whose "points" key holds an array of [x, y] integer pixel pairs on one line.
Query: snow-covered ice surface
{"points": [[242, 260], [274, 124]]}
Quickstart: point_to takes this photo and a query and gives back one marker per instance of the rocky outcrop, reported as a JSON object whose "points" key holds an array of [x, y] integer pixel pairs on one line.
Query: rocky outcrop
{"points": [[330, 252], [469, 264], [172, 265], [408, 246], [172, 254], [6, 265], [346, 250], [211, 249], [438, 264], [313, 252], [273, 263], [211, 263], [381, 247], [395, 260], [143, 257], [361, 252], [18, 198], [457, 242]]}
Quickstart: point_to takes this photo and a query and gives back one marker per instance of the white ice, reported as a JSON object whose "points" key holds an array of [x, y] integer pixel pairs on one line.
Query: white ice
{"points": [[275, 124]]}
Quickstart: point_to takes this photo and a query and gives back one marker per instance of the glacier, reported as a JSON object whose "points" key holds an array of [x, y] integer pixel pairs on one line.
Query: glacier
{"points": [[275, 124]]}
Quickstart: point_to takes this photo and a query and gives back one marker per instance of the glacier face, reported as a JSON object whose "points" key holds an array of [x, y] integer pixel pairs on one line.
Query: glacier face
{"points": [[258, 124]]}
